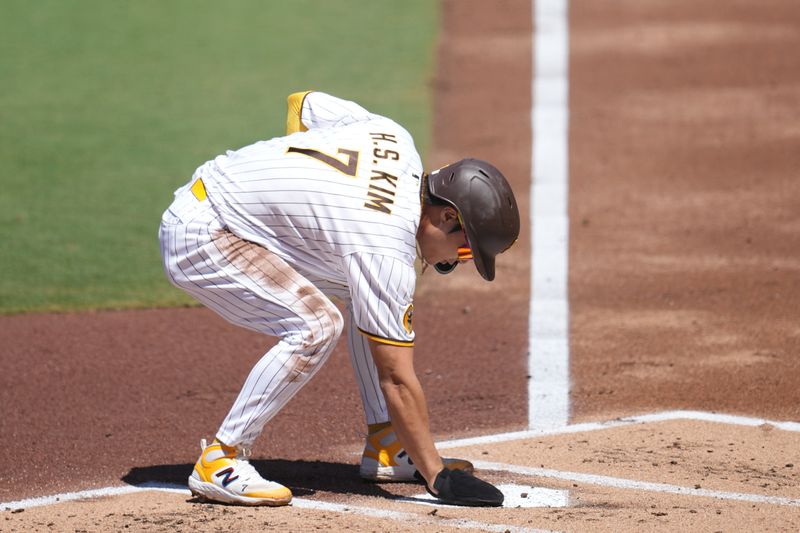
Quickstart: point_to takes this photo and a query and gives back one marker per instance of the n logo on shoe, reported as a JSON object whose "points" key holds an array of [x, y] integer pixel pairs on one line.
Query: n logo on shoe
{"points": [[226, 476]]}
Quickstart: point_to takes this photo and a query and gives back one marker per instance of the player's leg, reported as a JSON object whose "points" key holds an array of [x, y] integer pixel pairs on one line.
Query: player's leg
{"points": [[366, 374], [383, 459], [251, 287]]}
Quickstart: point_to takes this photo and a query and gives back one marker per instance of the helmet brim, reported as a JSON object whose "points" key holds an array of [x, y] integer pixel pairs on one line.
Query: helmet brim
{"points": [[484, 263]]}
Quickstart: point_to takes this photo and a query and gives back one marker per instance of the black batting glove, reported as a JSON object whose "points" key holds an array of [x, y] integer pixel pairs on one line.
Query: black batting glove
{"points": [[459, 488]]}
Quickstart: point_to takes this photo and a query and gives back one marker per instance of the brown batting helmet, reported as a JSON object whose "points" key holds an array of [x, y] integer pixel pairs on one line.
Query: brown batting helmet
{"points": [[487, 208]]}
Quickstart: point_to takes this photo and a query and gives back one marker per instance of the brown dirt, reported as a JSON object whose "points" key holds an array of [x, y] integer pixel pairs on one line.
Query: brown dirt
{"points": [[693, 455], [683, 290], [684, 265]]}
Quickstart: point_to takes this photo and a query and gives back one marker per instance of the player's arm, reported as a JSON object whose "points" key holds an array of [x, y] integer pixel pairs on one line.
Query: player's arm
{"points": [[313, 109], [408, 409]]}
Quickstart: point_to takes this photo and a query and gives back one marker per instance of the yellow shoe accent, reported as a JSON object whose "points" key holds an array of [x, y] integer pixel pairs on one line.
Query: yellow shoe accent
{"points": [[384, 459], [223, 474], [212, 458]]}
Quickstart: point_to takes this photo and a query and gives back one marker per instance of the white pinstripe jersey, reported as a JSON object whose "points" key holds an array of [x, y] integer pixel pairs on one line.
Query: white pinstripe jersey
{"points": [[339, 201]]}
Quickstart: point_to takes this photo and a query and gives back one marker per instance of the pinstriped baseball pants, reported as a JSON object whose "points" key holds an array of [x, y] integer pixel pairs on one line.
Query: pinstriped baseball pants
{"points": [[251, 287]]}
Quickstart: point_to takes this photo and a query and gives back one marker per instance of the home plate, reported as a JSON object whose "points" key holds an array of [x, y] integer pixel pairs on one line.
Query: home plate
{"points": [[515, 496]]}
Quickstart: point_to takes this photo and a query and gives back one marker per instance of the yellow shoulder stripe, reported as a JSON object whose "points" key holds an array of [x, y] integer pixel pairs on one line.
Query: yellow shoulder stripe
{"points": [[199, 189], [384, 340], [295, 109]]}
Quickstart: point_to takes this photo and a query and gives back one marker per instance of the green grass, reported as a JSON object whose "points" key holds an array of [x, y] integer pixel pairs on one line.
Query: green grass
{"points": [[107, 106]]}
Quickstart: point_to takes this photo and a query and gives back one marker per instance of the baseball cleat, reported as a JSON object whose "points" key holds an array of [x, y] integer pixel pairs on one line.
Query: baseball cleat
{"points": [[384, 459], [223, 474]]}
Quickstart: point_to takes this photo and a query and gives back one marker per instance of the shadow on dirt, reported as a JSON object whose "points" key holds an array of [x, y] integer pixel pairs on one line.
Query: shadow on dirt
{"points": [[304, 478]]}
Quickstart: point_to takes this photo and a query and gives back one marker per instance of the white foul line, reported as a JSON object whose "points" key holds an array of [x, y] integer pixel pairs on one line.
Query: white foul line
{"points": [[548, 321], [93, 493], [594, 426], [457, 523], [631, 484], [301, 503]]}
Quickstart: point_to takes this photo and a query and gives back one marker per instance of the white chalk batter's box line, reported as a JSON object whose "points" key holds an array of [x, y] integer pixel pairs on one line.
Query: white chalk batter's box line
{"points": [[576, 477], [627, 421]]}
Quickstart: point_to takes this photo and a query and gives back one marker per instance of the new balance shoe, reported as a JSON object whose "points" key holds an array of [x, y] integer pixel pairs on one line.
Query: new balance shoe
{"points": [[384, 459], [223, 474]]}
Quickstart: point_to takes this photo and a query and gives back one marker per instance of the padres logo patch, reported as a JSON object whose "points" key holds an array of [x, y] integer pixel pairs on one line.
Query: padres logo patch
{"points": [[408, 316]]}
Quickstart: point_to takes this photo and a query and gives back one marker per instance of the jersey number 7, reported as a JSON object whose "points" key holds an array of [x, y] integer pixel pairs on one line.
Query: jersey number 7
{"points": [[349, 167]]}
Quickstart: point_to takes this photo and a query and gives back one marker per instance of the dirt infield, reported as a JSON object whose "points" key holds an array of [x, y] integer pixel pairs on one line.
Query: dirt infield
{"points": [[675, 475], [684, 202], [684, 275]]}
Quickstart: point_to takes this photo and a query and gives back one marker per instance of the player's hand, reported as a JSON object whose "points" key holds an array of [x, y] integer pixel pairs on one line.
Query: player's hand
{"points": [[459, 488]]}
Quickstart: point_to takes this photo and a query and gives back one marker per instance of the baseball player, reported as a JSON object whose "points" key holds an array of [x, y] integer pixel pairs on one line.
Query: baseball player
{"points": [[339, 208]]}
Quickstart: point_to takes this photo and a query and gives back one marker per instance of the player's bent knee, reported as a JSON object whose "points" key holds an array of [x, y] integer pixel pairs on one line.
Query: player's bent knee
{"points": [[334, 323], [324, 330], [338, 322]]}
